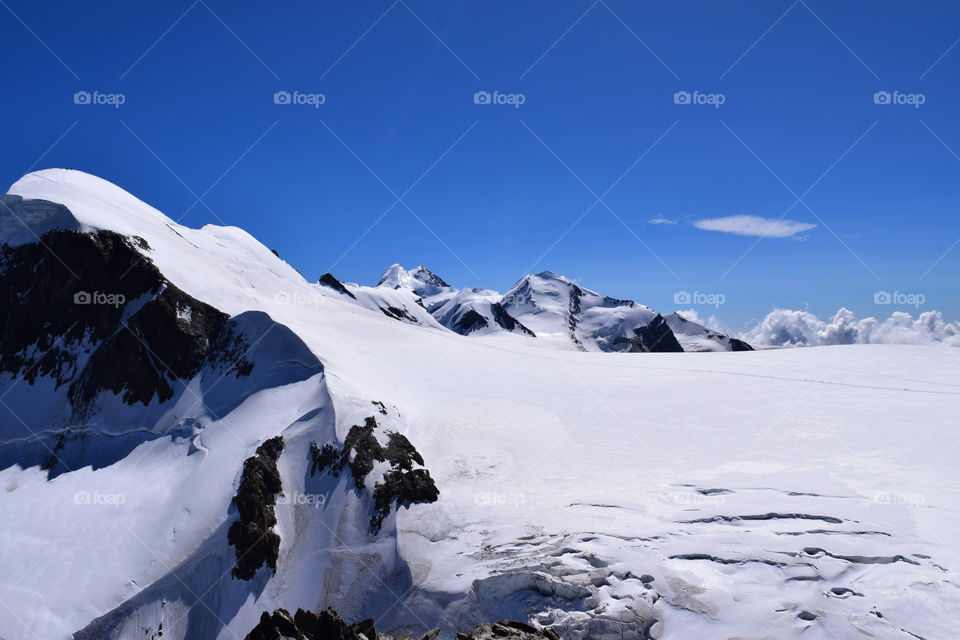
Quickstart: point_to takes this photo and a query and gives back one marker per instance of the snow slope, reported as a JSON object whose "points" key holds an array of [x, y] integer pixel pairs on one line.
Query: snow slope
{"points": [[777, 494], [696, 337]]}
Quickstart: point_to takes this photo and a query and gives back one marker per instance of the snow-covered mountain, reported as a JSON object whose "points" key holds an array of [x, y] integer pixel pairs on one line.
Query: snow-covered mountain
{"points": [[553, 308], [559, 310], [465, 311], [192, 436]]}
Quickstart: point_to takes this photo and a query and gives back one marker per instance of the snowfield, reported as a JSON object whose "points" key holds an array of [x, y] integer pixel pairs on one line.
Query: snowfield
{"points": [[806, 493]]}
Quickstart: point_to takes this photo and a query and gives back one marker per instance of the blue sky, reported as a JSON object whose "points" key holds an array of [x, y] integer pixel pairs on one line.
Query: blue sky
{"points": [[489, 192]]}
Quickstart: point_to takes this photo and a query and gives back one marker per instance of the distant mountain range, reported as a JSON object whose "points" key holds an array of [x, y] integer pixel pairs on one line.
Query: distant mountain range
{"points": [[546, 306]]}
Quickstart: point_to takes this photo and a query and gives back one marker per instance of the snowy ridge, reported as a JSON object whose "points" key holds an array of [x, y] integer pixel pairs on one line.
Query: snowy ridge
{"points": [[608, 495], [696, 337]]}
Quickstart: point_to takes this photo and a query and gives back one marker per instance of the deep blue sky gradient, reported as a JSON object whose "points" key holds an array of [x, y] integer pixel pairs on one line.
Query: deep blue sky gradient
{"points": [[201, 96]]}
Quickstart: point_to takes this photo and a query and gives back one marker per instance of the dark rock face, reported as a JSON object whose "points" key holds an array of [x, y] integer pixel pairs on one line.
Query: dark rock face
{"points": [[406, 487], [361, 450], [329, 280], [399, 314], [508, 629], [507, 321], [472, 320], [327, 625], [361, 442], [573, 315], [276, 626], [655, 337], [739, 345], [469, 322], [92, 312], [253, 536], [307, 625]]}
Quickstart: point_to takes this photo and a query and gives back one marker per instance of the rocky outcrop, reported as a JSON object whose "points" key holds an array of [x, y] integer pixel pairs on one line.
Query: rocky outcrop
{"points": [[507, 321], [512, 629], [327, 625], [573, 315], [399, 314], [307, 625], [655, 337], [93, 313], [406, 482], [469, 322], [472, 320], [329, 280], [252, 535]]}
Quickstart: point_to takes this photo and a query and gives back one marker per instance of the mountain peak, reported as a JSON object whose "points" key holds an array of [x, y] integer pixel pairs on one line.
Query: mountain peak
{"points": [[51, 199], [546, 276], [415, 279], [426, 276], [393, 276], [549, 274]]}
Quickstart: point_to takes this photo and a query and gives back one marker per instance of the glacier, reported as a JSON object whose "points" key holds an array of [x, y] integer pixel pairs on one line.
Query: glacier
{"points": [[806, 493]]}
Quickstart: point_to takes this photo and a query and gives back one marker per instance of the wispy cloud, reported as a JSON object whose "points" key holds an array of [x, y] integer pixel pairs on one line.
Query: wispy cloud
{"points": [[754, 226], [661, 220]]}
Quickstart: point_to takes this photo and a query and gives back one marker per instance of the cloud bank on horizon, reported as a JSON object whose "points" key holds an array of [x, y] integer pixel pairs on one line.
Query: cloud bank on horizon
{"points": [[791, 328], [744, 225]]}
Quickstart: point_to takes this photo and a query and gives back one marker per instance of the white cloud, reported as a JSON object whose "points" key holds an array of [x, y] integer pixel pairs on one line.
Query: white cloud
{"points": [[711, 322], [789, 328], [690, 314], [661, 220], [754, 226]]}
